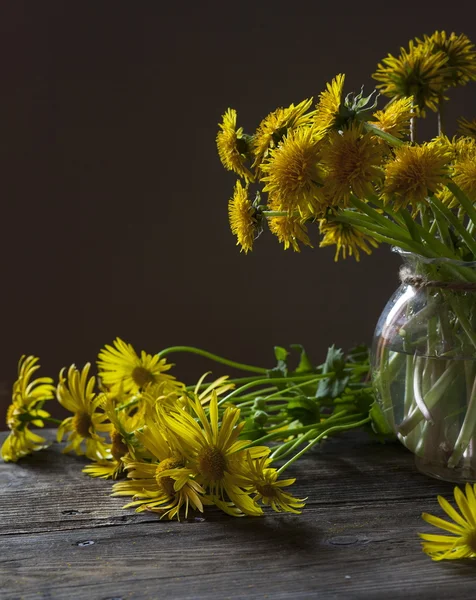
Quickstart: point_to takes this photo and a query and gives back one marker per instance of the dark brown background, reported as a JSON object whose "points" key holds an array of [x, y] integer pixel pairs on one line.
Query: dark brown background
{"points": [[114, 203]]}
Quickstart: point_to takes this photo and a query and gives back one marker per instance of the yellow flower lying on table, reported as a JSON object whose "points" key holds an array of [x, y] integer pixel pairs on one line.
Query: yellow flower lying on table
{"points": [[120, 368], [76, 393], [162, 485], [28, 398], [463, 525], [175, 448], [123, 425], [198, 461]]}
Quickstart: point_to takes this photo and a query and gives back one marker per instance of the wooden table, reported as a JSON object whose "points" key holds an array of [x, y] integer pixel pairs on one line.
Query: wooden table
{"points": [[63, 537]]}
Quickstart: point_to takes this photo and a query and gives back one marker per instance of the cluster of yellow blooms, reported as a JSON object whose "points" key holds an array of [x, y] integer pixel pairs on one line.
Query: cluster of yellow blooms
{"points": [[340, 160], [178, 450]]}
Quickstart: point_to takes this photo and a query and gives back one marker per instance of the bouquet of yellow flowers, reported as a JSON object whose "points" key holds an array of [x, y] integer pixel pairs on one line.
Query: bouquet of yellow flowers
{"points": [[184, 447], [356, 171], [360, 175]]}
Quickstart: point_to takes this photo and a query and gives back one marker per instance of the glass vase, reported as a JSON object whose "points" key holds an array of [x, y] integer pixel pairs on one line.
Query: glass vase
{"points": [[424, 365]]}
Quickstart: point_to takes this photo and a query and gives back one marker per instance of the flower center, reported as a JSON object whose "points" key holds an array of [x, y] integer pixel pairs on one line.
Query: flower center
{"points": [[212, 463], [81, 423], [119, 448], [166, 484], [471, 540], [266, 490], [142, 376]]}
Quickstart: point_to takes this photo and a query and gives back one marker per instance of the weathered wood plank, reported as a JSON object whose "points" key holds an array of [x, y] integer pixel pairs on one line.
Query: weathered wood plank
{"points": [[361, 552], [351, 469], [64, 537]]}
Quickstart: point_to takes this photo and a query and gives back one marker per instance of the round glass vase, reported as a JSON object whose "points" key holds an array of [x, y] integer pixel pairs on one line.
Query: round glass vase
{"points": [[424, 365]]}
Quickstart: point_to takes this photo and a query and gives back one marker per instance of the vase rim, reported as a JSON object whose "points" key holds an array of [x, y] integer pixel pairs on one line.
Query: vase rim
{"points": [[434, 261]]}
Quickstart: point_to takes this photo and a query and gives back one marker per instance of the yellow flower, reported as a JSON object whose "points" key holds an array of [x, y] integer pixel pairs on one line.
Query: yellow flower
{"points": [[123, 425], [164, 485], [416, 73], [463, 543], [215, 454], [464, 167], [395, 117], [274, 127], [219, 387], [76, 393], [352, 161], [233, 146], [289, 231], [26, 409], [467, 128], [415, 172], [269, 489], [121, 368], [463, 154], [293, 177], [346, 238], [461, 63], [242, 216], [327, 110]]}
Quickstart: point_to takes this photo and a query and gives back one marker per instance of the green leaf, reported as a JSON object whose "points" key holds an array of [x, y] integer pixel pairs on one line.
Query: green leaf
{"points": [[251, 430], [278, 372], [304, 409], [260, 417], [380, 426], [305, 365], [336, 383], [364, 400], [281, 369], [411, 225], [281, 354]]}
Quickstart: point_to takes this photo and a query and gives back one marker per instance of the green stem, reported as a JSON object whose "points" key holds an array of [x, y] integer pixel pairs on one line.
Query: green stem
{"points": [[396, 216], [214, 357], [408, 400], [464, 321], [340, 416], [438, 248], [238, 380], [390, 139], [274, 213], [413, 127], [411, 225], [52, 420], [464, 200], [453, 220], [132, 402], [289, 447], [335, 429], [442, 228], [257, 393], [305, 379], [466, 432], [409, 246], [387, 224], [433, 248], [425, 221], [360, 219], [382, 381], [430, 399], [441, 116]]}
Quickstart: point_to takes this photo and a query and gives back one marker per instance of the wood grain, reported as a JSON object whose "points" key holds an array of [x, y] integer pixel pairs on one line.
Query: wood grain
{"points": [[63, 537]]}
